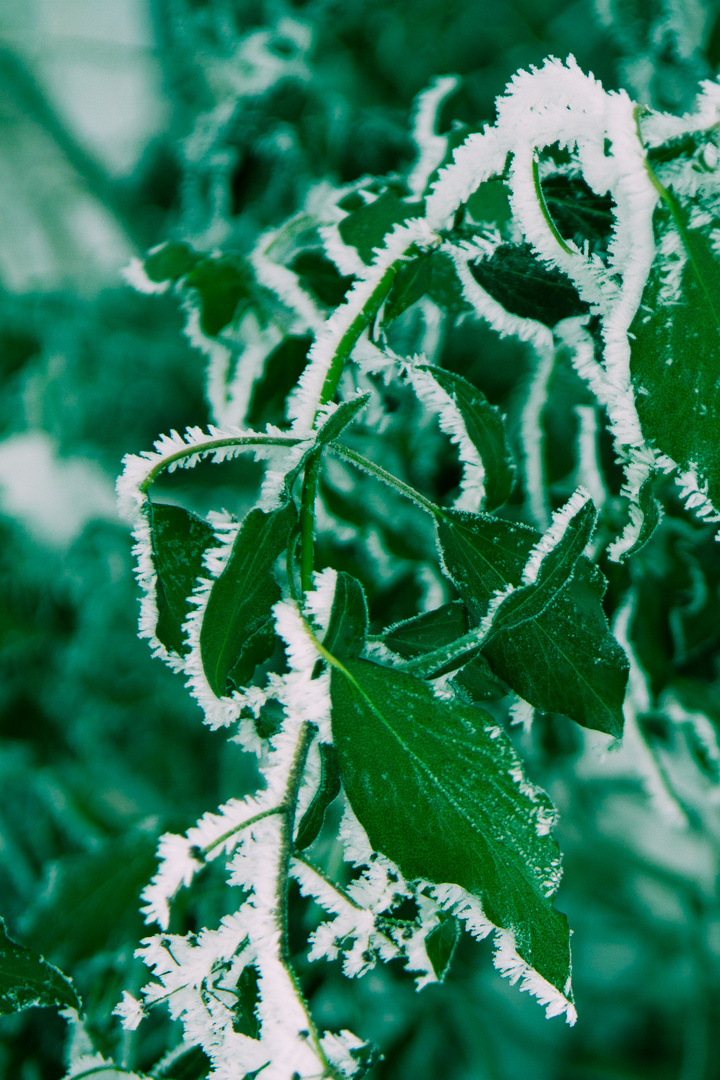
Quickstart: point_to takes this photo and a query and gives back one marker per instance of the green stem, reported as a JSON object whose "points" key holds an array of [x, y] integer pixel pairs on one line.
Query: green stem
{"points": [[350, 338], [286, 844], [238, 828], [342, 893], [387, 478], [540, 195], [215, 444], [440, 660], [307, 519], [345, 346]]}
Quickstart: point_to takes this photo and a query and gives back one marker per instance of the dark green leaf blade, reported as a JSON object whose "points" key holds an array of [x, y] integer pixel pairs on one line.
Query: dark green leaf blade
{"points": [[171, 261], [179, 540], [245, 1020], [436, 786], [429, 631], [27, 981], [486, 431], [675, 355], [550, 640], [225, 287], [517, 279], [440, 945], [241, 599], [347, 628], [339, 419], [328, 790], [365, 228], [430, 274]]}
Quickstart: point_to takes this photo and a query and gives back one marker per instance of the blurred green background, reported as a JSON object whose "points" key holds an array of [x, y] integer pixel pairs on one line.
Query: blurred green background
{"points": [[123, 124]]}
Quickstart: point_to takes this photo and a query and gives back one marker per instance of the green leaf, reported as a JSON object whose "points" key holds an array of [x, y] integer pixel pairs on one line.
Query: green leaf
{"points": [[194, 1064], [550, 641], [245, 1019], [430, 274], [328, 790], [479, 681], [241, 599], [225, 288], [282, 369], [366, 227], [28, 981], [321, 277], [347, 628], [490, 202], [651, 513], [579, 213], [440, 945], [517, 279], [486, 431], [675, 358], [439, 790], [178, 540], [429, 631], [171, 261], [343, 415]]}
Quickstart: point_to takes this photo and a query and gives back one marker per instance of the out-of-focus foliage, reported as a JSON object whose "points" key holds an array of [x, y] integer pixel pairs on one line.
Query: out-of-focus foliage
{"points": [[101, 749]]}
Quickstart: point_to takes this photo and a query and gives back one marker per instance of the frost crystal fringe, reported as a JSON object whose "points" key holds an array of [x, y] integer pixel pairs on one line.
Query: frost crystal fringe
{"points": [[431, 146], [304, 398], [451, 422]]}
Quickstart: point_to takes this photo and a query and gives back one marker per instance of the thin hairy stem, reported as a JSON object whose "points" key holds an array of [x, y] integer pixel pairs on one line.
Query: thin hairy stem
{"points": [[345, 346], [307, 519], [216, 444], [239, 828], [290, 803], [387, 478]]}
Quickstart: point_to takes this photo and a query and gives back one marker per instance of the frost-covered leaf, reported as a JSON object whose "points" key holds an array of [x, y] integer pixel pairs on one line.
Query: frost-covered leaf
{"points": [[245, 1020], [518, 280], [365, 228], [178, 540], [320, 277], [441, 943], [27, 981], [345, 635], [431, 630], [171, 261], [238, 618], [550, 641], [340, 417], [282, 369], [225, 287], [429, 274], [439, 790], [479, 681], [328, 790], [579, 213], [190, 1064], [490, 202], [675, 359], [486, 431]]}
